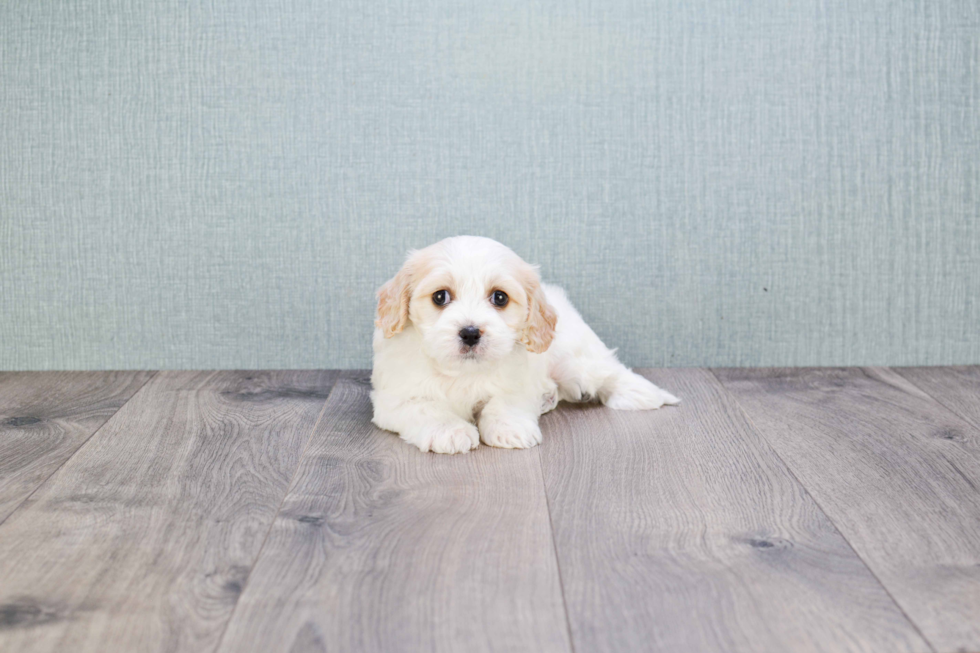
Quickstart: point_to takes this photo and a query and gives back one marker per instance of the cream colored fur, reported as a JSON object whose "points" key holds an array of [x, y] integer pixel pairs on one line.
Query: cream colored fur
{"points": [[443, 396]]}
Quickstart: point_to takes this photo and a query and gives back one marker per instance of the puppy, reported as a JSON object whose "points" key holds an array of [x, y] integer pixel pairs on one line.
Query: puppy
{"points": [[469, 345]]}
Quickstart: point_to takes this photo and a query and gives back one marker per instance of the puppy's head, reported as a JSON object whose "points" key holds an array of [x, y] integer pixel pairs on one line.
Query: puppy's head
{"points": [[471, 299]]}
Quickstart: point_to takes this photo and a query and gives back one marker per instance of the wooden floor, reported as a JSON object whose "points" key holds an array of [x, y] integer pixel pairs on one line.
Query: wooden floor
{"points": [[773, 510]]}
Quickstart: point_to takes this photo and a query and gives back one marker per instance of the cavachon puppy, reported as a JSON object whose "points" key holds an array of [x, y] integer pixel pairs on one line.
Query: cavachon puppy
{"points": [[469, 345]]}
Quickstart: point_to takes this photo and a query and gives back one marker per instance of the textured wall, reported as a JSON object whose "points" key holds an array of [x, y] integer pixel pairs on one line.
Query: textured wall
{"points": [[716, 182]]}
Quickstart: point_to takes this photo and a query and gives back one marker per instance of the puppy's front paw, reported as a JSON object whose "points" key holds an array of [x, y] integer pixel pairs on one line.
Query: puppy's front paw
{"points": [[515, 432], [446, 438]]}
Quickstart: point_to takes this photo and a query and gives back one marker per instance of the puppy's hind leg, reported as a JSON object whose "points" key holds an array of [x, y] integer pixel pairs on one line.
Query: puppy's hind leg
{"points": [[580, 377], [601, 377], [627, 390], [586, 370]]}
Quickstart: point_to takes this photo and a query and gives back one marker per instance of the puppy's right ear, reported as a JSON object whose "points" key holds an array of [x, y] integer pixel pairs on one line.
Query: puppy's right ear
{"points": [[393, 302]]}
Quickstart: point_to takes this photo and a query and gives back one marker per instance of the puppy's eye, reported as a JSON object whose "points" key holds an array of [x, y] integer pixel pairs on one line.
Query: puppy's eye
{"points": [[499, 298], [440, 297]]}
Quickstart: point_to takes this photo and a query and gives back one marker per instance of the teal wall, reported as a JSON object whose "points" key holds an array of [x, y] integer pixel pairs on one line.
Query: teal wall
{"points": [[715, 182]]}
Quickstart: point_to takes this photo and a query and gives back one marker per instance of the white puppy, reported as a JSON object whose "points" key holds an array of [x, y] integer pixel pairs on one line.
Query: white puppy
{"points": [[471, 346]]}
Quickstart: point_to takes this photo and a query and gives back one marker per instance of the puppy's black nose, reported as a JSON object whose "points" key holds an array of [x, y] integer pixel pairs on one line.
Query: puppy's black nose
{"points": [[469, 335]]}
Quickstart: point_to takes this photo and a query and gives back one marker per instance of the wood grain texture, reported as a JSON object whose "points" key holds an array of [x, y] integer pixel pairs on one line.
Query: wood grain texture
{"points": [[896, 472], [379, 547], [142, 541], [46, 416], [956, 388], [680, 530]]}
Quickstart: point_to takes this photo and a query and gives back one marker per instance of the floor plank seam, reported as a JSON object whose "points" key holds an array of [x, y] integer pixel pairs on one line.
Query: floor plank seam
{"points": [[152, 376], [792, 473], [554, 548], [963, 417], [272, 523]]}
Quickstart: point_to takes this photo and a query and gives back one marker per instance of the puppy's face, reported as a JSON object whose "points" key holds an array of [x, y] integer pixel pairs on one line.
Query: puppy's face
{"points": [[471, 299]]}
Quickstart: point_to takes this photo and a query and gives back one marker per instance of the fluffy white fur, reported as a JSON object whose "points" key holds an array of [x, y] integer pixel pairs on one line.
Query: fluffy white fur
{"points": [[444, 396]]}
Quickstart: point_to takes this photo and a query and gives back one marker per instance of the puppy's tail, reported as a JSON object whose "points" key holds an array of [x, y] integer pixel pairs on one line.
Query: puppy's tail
{"points": [[627, 390]]}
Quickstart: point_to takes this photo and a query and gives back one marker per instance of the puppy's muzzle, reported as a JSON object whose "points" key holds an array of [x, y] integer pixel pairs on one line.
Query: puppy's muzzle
{"points": [[469, 335]]}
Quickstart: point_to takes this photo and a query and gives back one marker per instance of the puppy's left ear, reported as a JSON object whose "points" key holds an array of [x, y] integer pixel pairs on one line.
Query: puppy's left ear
{"points": [[393, 298], [539, 328]]}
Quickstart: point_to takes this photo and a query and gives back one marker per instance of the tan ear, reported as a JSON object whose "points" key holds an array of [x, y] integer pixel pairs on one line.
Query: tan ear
{"points": [[393, 303], [539, 328]]}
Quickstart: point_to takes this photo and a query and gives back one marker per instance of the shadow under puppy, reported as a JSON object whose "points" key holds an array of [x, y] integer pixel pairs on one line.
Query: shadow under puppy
{"points": [[469, 345]]}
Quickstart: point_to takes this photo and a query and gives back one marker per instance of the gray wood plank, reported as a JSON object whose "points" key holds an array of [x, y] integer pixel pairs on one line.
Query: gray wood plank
{"points": [[46, 416], [680, 530], [896, 472], [956, 388], [143, 539], [379, 547]]}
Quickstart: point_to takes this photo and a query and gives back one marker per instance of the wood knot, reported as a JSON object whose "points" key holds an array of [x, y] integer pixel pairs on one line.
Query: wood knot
{"points": [[949, 433], [18, 422], [767, 543], [25, 612]]}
